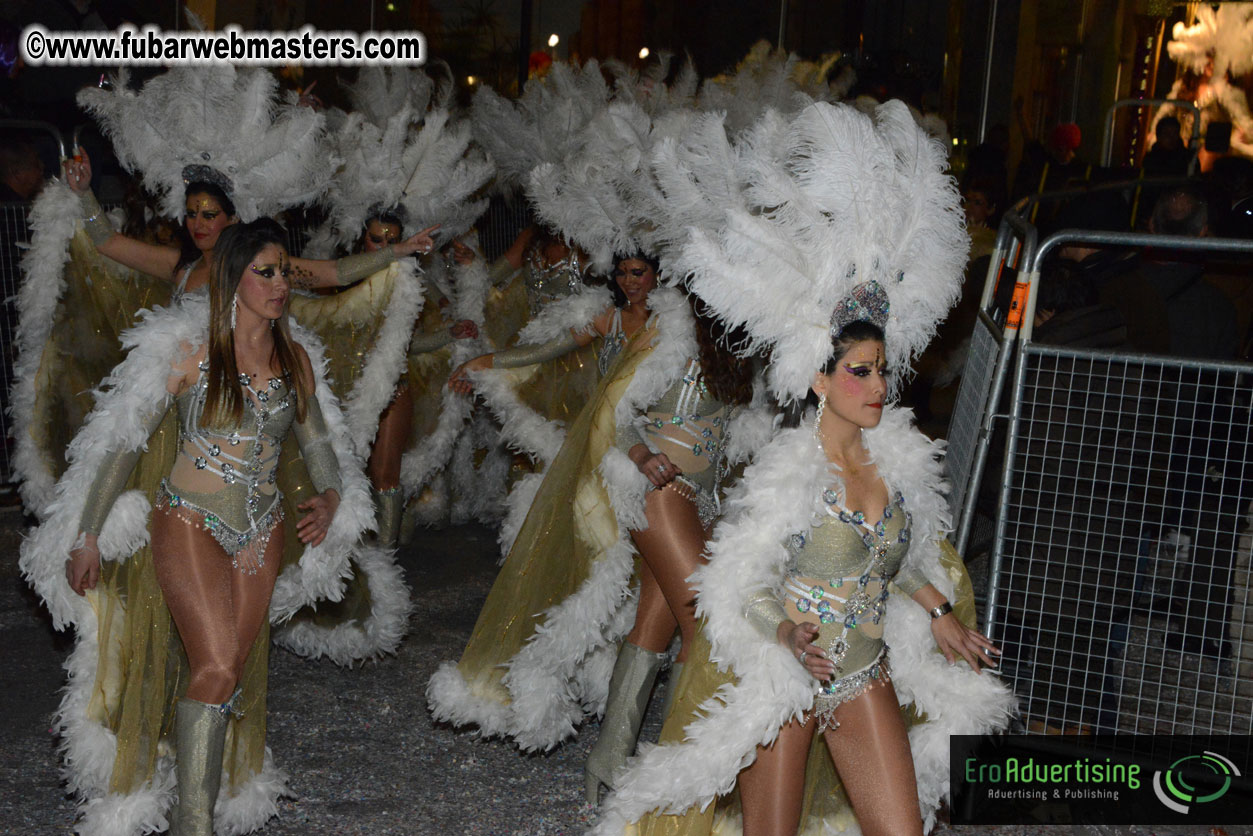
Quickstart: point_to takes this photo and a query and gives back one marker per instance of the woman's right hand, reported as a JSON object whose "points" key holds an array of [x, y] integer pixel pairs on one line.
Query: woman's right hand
{"points": [[459, 382], [799, 638], [82, 570], [78, 171], [656, 466]]}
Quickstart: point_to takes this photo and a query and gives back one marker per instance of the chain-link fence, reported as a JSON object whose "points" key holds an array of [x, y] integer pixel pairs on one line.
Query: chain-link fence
{"points": [[1119, 568]]}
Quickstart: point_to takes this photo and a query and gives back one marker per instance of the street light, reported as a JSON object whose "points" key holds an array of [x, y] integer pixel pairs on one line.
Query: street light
{"points": [[470, 80], [643, 53], [553, 40]]}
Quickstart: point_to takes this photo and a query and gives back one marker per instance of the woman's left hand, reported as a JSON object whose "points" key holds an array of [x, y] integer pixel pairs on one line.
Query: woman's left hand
{"points": [[420, 242], [956, 639], [313, 526]]}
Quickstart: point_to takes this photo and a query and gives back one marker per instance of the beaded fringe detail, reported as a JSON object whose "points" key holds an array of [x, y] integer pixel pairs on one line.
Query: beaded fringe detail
{"points": [[840, 691], [246, 548], [706, 506]]}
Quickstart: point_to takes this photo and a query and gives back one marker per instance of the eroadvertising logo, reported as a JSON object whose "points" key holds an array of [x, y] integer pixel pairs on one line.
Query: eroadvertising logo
{"points": [[1106, 779], [1173, 787]]}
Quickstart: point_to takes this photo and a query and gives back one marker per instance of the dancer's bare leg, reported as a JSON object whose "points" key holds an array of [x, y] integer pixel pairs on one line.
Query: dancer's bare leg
{"points": [[395, 426], [673, 548], [199, 584], [871, 753], [252, 595], [772, 788], [654, 622]]}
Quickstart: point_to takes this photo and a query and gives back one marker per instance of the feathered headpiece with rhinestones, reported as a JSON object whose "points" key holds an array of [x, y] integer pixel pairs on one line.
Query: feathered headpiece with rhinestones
{"points": [[812, 208], [216, 124]]}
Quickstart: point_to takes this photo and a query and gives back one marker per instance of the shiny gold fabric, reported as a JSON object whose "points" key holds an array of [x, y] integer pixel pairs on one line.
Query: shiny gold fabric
{"points": [[506, 311], [826, 807], [348, 323], [100, 301], [569, 527]]}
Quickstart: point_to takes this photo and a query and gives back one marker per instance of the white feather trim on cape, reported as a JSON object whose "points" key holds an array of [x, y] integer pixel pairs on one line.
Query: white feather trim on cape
{"points": [[779, 497], [350, 642], [562, 672], [53, 219]]}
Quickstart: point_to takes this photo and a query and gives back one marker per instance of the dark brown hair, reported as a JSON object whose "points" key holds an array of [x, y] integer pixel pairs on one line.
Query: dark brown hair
{"points": [[235, 250], [728, 375]]}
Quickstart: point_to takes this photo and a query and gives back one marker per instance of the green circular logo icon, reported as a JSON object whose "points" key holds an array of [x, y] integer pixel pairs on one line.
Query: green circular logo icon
{"points": [[1194, 779]]}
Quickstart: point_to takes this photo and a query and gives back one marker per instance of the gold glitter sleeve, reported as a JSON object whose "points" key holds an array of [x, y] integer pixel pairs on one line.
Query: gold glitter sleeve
{"points": [[765, 613], [527, 355], [353, 268], [98, 228], [315, 446], [111, 478], [910, 580], [427, 341]]}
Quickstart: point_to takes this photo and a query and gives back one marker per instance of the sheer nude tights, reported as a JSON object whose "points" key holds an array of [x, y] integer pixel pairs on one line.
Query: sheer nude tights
{"points": [[871, 753], [217, 609], [395, 425], [671, 548]]}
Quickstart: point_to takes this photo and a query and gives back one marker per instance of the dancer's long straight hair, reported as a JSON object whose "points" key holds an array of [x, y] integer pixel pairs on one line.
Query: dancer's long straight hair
{"points": [[238, 245]]}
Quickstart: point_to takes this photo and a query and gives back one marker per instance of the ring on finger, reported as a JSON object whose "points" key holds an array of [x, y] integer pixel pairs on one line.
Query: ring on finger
{"points": [[804, 653]]}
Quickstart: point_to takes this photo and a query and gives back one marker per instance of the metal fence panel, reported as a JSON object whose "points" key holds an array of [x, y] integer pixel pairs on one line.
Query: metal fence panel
{"points": [[1119, 567], [968, 411], [13, 233]]}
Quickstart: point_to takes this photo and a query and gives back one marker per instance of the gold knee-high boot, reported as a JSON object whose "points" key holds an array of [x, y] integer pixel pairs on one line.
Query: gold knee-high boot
{"points": [[389, 506], [199, 734], [629, 689]]}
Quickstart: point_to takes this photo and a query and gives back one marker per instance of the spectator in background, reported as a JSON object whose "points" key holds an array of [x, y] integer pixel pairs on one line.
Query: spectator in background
{"points": [[21, 170], [1050, 166], [1169, 156]]}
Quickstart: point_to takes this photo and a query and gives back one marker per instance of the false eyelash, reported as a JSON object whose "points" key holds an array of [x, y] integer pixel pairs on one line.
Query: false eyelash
{"points": [[864, 371]]}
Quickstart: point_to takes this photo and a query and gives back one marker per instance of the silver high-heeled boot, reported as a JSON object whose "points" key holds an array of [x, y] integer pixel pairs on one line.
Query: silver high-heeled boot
{"points": [[629, 689], [672, 689], [199, 734], [389, 506]]}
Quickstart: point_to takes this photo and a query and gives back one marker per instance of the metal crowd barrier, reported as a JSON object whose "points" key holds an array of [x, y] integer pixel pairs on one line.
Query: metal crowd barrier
{"points": [[1119, 574]]}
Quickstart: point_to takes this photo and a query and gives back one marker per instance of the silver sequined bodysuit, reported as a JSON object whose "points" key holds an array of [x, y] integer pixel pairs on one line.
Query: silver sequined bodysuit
{"points": [[837, 578], [223, 479], [546, 283], [226, 478], [688, 424]]}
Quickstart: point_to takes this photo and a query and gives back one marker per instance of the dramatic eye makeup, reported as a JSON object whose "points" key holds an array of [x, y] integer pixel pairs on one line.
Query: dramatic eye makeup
{"points": [[269, 271], [864, 369]]}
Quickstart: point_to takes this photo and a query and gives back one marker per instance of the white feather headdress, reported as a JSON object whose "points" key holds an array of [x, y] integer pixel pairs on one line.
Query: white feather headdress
{"points": [[431, 170], [768, 78], [543, 125], [1224, 36], [226, 119], [821, 202], [381, 92]]}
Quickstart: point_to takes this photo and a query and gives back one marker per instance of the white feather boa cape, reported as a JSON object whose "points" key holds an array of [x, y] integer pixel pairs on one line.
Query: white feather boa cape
{"points": [[778, 497], [116, 424], [562, 671]]}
